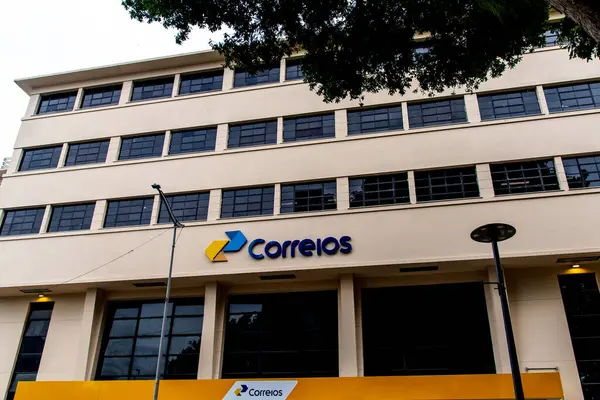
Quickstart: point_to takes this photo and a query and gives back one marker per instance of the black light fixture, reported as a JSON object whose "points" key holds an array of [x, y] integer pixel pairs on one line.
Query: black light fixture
{"points": [[494, 233]]}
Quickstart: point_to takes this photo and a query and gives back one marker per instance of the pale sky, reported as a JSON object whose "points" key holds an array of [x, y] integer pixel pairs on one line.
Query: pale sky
{"points": [[39, 37]]}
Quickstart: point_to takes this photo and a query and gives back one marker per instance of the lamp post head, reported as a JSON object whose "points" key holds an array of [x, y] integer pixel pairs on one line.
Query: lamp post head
{"points": [[156, 186], [496, 232]]}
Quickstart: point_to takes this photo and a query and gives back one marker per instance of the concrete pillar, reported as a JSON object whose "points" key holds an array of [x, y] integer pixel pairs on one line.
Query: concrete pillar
{"points": [[405, 123], [341, 124], [228, 75], [114, 147], [166, 143], [221, 140], [472, 108], [342, 193], [539, 90], [561, 174], [78, 99], [348, 351], [98, 218], [32, 106], [484, 180], [276, 199], [176, 83], [15, 161], [282, 70], [46, 219], [63, 155], [126, 92], [155, 210], [496, 320], [279, 130], [212, 332], [91, 318], [412, 188], [359, 330], [214, 205]]}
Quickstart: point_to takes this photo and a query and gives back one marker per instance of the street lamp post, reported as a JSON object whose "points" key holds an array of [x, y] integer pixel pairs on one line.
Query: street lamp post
{"points": [[176, 224], [494, 233]]}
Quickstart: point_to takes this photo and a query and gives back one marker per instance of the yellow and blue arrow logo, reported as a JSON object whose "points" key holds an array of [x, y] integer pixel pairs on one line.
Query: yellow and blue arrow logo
{"points": [[239, 391], [215, 250]]}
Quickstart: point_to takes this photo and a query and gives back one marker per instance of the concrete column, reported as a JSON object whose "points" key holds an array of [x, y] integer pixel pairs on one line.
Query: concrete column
{"points": [[276, 200], [539, 90], [412, 188], [166, 143], [561, 174], [359, 330], [279, 130], [176, 83], [78, 99], [228, 75], [114, 147], [15, 161], [46, 219], [348, 354], [282, 70], [341, 124], [98, 218], [484, 180], [405, 124], [155, 210], [91, 318], [472, 108], [126, 92], [342, 193], [32, 106], [214, 205], [63, 155], [496, 323], [212, 332], [221, 141]]}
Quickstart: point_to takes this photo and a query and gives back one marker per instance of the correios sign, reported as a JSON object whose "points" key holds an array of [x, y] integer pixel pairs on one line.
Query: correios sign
{"points": [[261, 248]]}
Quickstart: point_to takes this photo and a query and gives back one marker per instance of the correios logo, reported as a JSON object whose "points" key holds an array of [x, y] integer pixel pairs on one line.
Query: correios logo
{"points": [[240, 390], [260, 248], [260, 390]]}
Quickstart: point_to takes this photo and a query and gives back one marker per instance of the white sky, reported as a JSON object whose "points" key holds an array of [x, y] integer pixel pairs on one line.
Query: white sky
{"points": [[39, 37]]}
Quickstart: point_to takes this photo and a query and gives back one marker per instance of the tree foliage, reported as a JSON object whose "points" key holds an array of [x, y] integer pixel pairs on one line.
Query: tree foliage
{"points": [[357, 46]]}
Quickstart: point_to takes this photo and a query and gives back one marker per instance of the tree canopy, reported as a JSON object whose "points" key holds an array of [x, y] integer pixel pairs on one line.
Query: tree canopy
{"points": [[352, 47]]}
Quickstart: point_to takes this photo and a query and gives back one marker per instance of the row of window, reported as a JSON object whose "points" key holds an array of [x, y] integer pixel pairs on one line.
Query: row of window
{"points": [[369, 120], [375, 190]]}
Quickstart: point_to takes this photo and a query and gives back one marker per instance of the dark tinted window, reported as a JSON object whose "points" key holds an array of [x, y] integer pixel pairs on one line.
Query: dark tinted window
{"points": [[524, 177], [506, 105], [57, 102], [573, 97], [185, 207], [426, 330], [293, 69], [32, 346], [242, 78], [446, 184], [312, 196], [152, 89], [309, 127], [551, 38], [141, 146], [582, 172], [375, 120], [379, 190], [44, 158], [128, 212], [132, 335], [102, 96], [581, 300], [247, 202], [437, 113], [201, 82], [22, 222], [281, 335], [74, 217], [87, 153], [193, 141], [252, 134]]}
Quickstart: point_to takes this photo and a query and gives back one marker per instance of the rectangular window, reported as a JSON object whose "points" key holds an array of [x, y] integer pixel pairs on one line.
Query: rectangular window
{"points": [[22, 222], [508, 105], [379, 190], [87, 153], [132, 335], [201, 82], [57, 102], [293, 69], [524, 177], [311, 196], [446, 184], [128, 212], [375, 120], [192, 141], [309, 127], [74, 217], [247, 202], [439, 112], [185, 207], [42, 158], [573, 97], [32, 346], [142, 146], [581, 300], [551, 38], [426, 330], [281, 335], [152, 89], [269, 75], [102, 96], [583, 171], [252, 134]]}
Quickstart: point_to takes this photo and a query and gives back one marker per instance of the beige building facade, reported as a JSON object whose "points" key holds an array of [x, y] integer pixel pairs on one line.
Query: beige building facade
{"points": [[354, 263]]}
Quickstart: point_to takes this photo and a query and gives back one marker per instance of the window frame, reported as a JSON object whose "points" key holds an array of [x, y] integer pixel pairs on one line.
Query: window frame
{"points": [[263, 202], [141, 218], [576, 163], [432, 103], [491, 98], [70, 94], [358, 113], [210, 138], [155, 79], [37, 221], [197, 74], [271, 72], [327, 124], [447, 195], [506, 179], [54, 159], [87, 216], [101, 151], [270, 135], [154, 154], [294, 186], [112, 88], [555, 98], [397, 178], [295, 62], [198, 217]]}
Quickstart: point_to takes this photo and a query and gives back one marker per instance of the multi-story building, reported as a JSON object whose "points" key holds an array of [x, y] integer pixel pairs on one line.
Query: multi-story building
{"points": [[320, 240]]}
